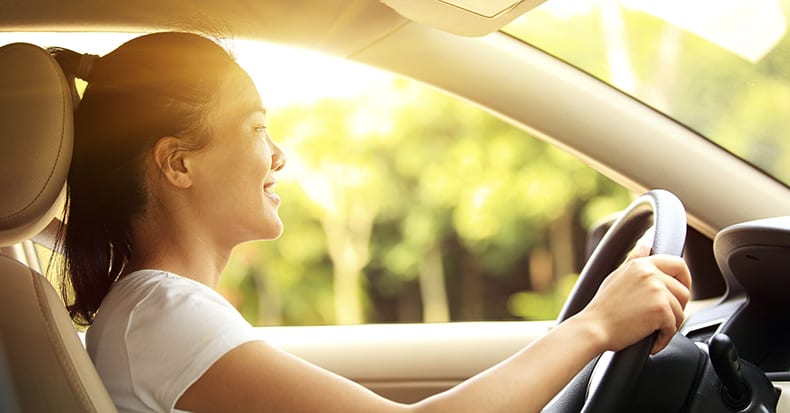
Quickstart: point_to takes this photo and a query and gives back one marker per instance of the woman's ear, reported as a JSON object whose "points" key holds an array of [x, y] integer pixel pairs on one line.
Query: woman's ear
{"points": [[170, 158]]}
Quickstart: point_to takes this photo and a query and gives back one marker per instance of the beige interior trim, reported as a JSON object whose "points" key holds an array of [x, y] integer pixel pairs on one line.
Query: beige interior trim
{"points": [[463, 17], [406, 362], [784, 397], [414, 353]]}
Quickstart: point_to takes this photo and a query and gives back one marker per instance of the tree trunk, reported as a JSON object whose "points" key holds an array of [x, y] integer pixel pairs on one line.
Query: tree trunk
{"points": [[432, 290]]}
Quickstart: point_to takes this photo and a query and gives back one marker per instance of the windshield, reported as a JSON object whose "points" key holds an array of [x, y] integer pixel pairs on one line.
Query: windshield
{"points": [[721, 67]]}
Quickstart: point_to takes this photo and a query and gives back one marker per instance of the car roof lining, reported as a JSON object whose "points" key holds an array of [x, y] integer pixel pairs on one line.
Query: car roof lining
{"points": [[335, 27], [319, 23]]}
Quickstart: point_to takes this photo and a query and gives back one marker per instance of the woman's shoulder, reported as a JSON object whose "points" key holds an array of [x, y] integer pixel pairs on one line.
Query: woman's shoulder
{"points": [[157, 332], [149, 281], [151, 277], [157, 294], [159, 302]]}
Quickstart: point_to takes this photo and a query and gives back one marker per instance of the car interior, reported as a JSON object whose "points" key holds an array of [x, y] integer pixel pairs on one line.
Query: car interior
{"points": [[730, 355], [49, 367]]}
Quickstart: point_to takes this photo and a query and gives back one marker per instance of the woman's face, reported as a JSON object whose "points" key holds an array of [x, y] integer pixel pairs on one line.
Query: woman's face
{"points": [[234, 175]]}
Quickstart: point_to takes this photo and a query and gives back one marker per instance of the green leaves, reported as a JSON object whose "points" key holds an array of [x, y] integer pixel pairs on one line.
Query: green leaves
{"points": [[409, 198]]}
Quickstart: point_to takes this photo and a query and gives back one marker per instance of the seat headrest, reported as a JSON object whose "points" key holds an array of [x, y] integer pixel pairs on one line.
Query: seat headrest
{"points": [[36, 138]]}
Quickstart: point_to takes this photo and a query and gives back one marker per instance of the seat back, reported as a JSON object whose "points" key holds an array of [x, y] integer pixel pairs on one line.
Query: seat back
{"points": [[46, 368]]}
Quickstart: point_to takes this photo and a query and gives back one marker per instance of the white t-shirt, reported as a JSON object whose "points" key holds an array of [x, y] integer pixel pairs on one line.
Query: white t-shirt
{"points": [[156, 333]]}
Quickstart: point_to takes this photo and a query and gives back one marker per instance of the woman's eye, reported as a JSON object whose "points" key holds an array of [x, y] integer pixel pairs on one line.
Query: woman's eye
{"points": [[260, 129]]}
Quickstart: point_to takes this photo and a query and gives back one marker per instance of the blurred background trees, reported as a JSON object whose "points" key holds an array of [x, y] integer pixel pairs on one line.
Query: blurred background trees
{"points": [[403, 204], [407, 205]]}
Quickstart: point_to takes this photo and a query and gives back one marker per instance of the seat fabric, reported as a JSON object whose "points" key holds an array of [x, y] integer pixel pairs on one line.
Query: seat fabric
{"points": [[46, 368]]}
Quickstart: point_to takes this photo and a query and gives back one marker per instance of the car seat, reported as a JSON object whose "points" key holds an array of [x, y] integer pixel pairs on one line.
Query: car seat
{"points": [[43, 364]]}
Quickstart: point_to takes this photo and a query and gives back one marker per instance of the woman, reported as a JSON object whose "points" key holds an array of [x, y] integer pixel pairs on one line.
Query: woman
{"points": [[172, 168]]}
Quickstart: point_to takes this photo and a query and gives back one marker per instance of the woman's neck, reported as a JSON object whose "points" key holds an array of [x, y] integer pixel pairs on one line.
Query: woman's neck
{"points": [[180, 249]]}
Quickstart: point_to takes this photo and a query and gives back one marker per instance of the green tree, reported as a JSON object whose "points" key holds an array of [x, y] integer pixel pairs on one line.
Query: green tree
{"points": [[424, 202]]}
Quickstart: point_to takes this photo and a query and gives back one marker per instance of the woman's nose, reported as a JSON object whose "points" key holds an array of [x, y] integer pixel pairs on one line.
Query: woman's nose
{"points": [[278, 157]]}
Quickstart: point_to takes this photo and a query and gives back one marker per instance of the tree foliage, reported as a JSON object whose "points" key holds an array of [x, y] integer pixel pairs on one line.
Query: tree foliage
{"points": [[408, 205]]}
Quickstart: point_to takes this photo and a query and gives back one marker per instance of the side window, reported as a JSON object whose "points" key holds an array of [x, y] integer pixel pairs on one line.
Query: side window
{"points": [[404, 204], [400, 203]]}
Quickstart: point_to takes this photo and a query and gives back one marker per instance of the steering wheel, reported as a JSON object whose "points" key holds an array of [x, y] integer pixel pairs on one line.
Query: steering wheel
{"points": [[606, 392]]}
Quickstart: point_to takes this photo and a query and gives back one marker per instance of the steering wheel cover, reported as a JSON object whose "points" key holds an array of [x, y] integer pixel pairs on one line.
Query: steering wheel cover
{"points": [[664, 211]]}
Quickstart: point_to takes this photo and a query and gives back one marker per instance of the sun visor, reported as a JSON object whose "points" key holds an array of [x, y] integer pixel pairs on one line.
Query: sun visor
{"points": [[463, 17]]}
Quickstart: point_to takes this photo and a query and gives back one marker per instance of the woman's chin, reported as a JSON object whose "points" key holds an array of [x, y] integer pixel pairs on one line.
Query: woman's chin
{"points": [[273, 231]]}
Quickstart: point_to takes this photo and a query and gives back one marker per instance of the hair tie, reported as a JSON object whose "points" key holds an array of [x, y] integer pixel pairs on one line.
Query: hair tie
{"points": [[86, 66]]}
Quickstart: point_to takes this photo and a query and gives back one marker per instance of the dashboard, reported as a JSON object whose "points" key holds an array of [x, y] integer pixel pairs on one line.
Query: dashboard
{"points": [[754, 258]]}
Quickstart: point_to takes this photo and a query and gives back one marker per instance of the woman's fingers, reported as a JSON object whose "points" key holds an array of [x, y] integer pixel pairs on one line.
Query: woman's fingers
{"points": [[673, 321], [673, 266], [644, 295], [640, 250], [679, 291], [675, 278]]}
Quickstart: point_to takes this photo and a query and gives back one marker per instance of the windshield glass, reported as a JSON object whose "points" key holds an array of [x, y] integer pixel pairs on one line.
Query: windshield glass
{"points": [[721, 67]]}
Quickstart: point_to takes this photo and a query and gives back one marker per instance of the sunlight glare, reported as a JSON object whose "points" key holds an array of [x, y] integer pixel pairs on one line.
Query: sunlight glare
{"points": [[287, 75], [749, 29], [284, 75]]}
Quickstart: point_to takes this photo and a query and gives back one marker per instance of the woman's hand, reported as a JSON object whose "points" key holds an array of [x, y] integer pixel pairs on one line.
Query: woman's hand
{"points": [[644, 295]]}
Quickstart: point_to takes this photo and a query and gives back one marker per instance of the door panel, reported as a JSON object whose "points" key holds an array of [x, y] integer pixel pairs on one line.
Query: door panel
{"points": [[407, 362]]}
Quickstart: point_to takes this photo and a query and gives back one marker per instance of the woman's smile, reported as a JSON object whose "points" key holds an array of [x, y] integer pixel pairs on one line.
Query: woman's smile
{"points": [[268, 189]]}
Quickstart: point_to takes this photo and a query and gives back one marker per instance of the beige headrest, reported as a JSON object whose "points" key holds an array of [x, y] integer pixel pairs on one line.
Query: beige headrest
{"points": [[36, 132]]}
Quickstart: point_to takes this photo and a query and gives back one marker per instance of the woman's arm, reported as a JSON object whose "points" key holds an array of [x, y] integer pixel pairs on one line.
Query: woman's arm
{"points": [[642, 296]]}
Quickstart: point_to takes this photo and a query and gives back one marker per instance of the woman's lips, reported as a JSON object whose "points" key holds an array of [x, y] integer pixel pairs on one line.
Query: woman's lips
{"points": [[268, 189]]}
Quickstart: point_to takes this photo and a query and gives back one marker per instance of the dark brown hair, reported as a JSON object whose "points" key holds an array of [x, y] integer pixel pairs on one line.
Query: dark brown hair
{"points": [[155, 85]]}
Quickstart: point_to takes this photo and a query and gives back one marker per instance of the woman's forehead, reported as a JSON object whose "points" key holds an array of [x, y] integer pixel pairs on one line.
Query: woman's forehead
{"points": [[240, 95]]}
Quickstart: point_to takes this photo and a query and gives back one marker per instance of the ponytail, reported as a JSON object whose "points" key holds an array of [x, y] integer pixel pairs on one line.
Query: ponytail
{"points": [[74, 66]]}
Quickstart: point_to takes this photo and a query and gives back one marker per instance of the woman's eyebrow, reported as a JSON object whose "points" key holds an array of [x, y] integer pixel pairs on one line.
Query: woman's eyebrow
{"points": [[256, 110]]}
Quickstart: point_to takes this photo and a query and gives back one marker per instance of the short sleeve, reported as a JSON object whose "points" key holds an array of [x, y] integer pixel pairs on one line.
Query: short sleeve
{"points": [[175, 334]]}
